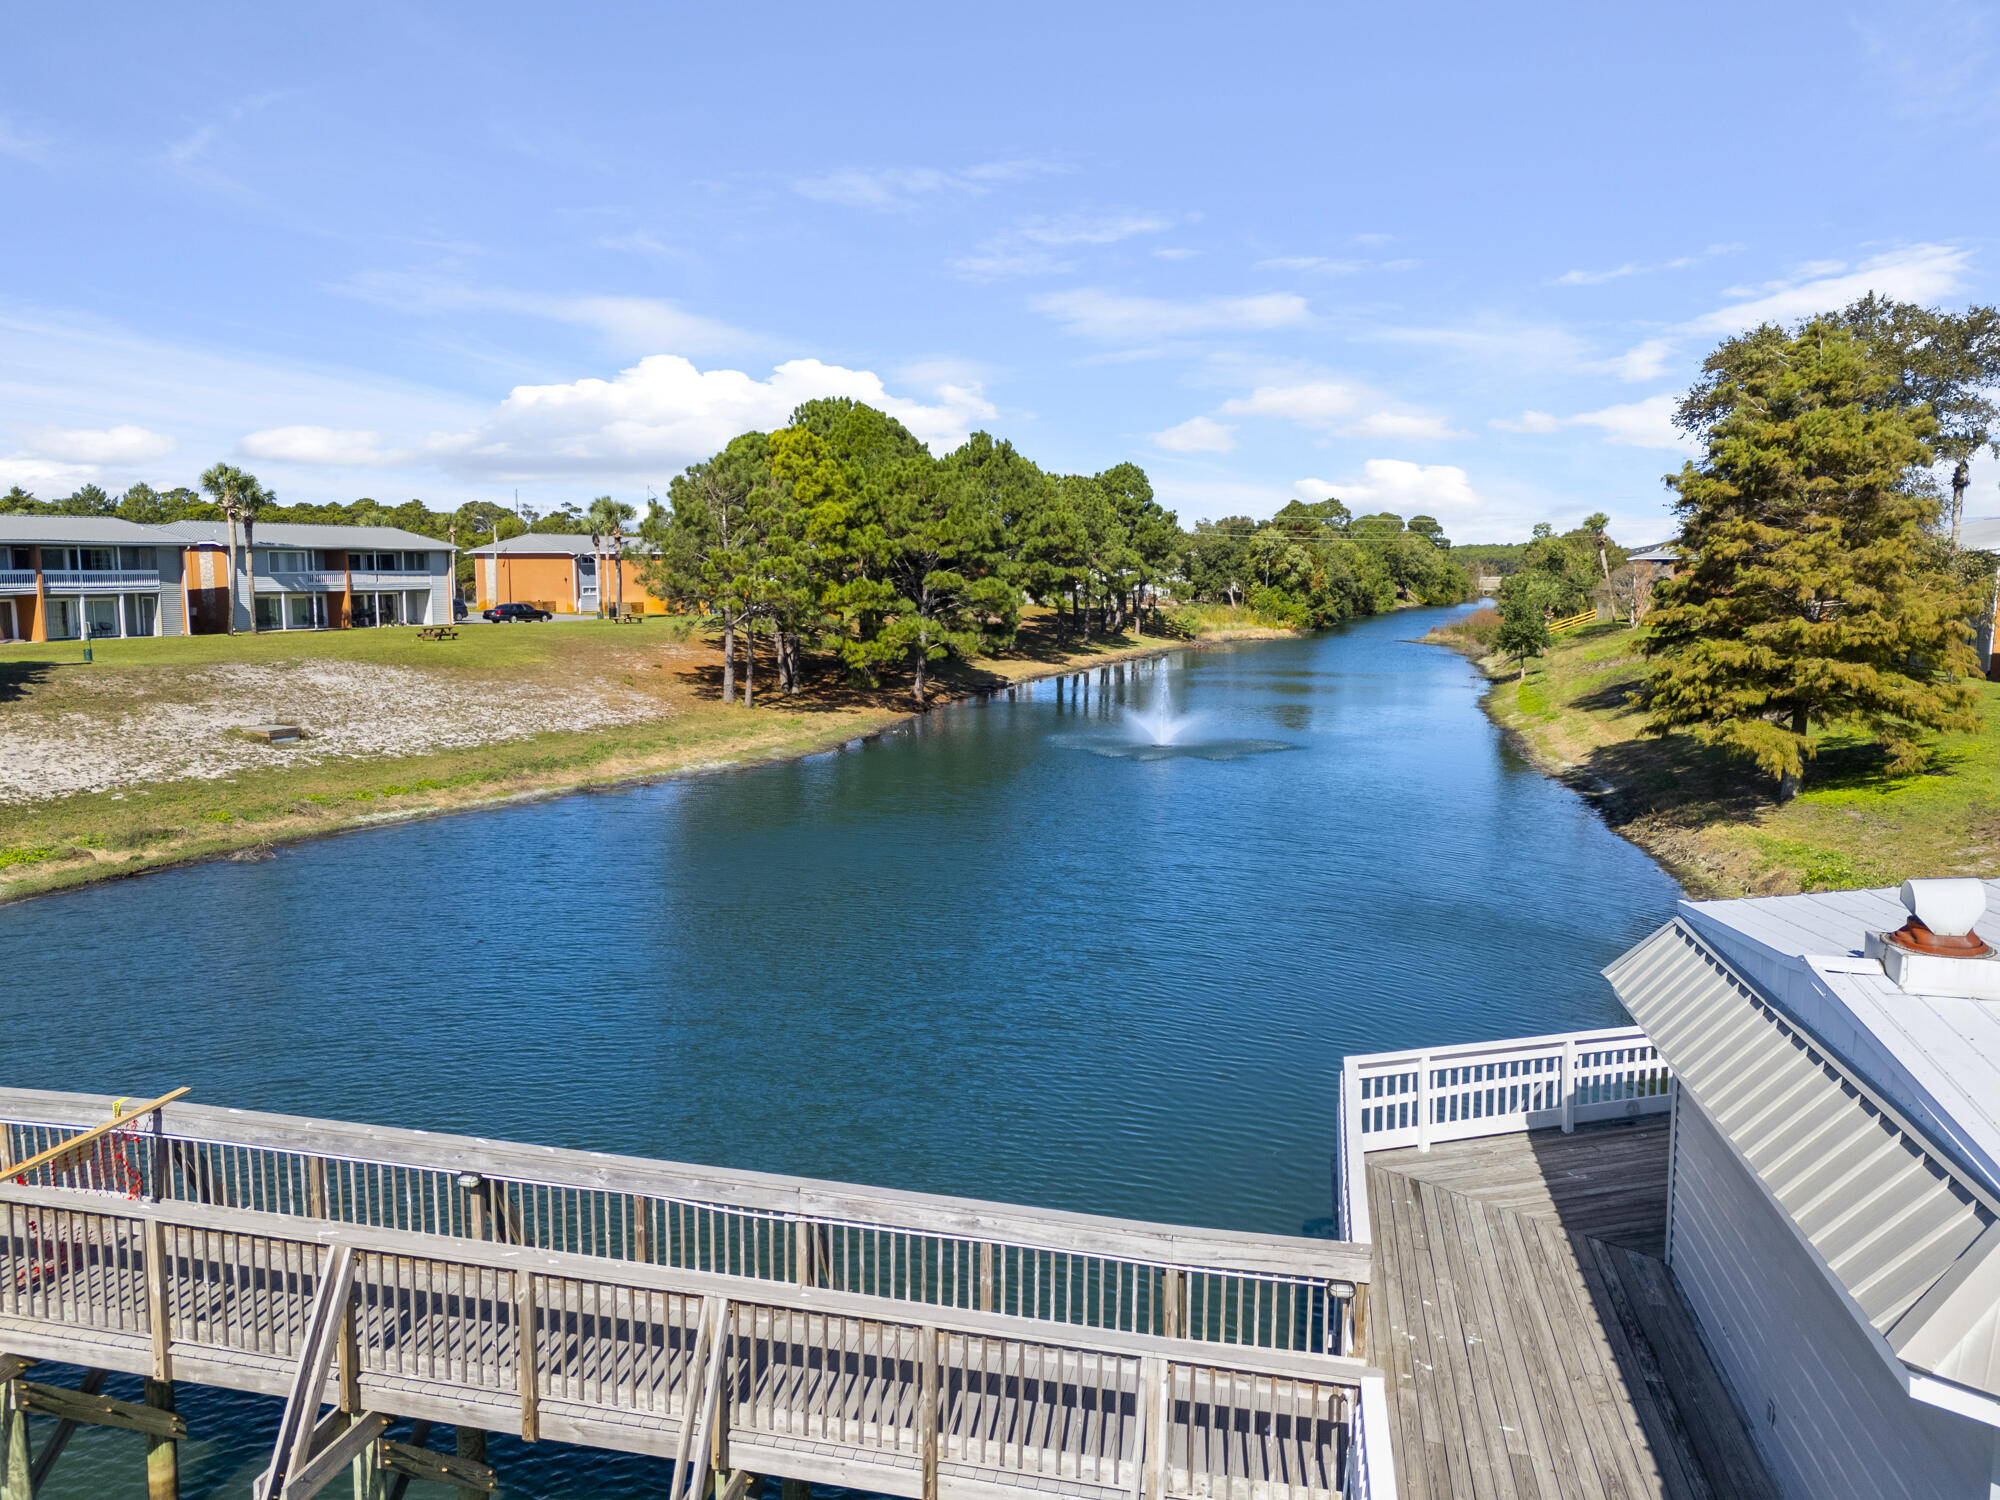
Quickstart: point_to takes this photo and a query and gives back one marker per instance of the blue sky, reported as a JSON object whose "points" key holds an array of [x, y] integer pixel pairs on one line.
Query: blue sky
{"points": [[1454, 259]]}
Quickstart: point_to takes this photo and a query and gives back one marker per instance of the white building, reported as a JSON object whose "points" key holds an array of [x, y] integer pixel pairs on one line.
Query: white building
{"points": [[1834, 1189]]}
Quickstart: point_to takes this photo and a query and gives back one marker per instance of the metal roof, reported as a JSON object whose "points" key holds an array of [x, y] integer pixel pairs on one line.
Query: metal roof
{"points": [[1909, 1235], [304, 534], [1936, 1057], [81, 531], [1659, 552], [551, 543], [1981, 536]]}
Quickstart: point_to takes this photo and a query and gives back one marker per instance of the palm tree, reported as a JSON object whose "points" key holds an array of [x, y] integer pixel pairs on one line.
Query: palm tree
{"points": [[607, 517], [253, 498], [226, 485]]}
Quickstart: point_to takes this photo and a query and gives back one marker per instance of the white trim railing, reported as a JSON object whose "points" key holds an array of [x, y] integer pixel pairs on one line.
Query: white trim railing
{"points": [[1426, 1097], [101, 578], [17, 578], [1371, 1460], [401, 576]]}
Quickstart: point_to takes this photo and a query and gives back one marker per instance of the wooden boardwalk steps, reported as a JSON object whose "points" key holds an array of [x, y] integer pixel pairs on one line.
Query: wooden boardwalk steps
{"points": [[1535, 1345]]}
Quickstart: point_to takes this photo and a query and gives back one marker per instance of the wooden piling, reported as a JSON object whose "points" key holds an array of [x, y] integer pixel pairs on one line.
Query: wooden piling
{"points": [[16, 1471], [163, 1454], [471, 1444]]}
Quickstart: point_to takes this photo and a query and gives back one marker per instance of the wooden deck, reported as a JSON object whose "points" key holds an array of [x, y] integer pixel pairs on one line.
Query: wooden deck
{"points": [[1535, 1343]]}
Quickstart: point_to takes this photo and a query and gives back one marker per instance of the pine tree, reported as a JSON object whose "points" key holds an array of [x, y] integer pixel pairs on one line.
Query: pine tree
{"points": [[1804, 597]]}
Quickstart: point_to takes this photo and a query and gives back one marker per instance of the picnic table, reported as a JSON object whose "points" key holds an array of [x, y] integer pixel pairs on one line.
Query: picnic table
{"points": [[438, 633]]}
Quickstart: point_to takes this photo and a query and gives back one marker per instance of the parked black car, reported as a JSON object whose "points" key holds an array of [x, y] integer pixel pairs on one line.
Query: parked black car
{"points": [[500, 614], [457, 610]]}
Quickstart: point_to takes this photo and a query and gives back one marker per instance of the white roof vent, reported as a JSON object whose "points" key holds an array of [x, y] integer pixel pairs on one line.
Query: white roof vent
{"points": [[1937, 952]]}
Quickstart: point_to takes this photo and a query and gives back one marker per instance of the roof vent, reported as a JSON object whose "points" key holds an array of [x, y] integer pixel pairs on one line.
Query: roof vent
{"points": [[1937, 952]]}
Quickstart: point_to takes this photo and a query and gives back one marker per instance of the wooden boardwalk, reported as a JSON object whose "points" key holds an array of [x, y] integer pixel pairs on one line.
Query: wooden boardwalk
{"points": [[736, 1324], [1535, 1344]]}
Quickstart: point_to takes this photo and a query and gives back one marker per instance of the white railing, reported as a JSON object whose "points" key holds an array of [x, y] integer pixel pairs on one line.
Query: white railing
{"points": [[17, 578], [1371, 1460], [101, 578], [399, 576], [1423, 1098], [300, 583]]}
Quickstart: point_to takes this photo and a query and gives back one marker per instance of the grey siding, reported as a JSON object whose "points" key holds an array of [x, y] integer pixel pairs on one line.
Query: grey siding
{"points": [[1827, 1412], [173, 618]]}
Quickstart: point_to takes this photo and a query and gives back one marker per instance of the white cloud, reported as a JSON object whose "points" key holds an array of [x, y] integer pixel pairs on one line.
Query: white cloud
{"points": [[1509, 344], [629, 325], [1028, 249], [44, 475], [1528, 421], [1176, 252], [1917, 273], [896, 188], [1638, 424], [663, 413], [356, 447], [22, 144], [1114, 318], [1396, 424], [123, 444], [1643, 361], [1398, 485], [1322, 263], [1634, 268], [1197, 435], [1372, 239], [1635, 424], [1310, 403]]}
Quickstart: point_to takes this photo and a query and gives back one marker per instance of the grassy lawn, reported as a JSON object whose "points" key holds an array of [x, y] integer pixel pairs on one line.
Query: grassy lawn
{"points": [[1714, 822], [663, 677]]}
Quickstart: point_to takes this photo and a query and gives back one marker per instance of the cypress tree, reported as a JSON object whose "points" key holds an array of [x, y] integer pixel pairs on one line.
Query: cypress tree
{"points": [[1805, 598]]}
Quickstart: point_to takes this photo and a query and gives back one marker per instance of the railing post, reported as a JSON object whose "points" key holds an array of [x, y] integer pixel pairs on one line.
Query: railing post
{"points": [[158, 1308], [16, 1468], [1173, 1302], [1358, 1316], [525, 1354], [927, 1409], [1424, 1102], [986, 1276], [316, 1187], [1569, 1084]]}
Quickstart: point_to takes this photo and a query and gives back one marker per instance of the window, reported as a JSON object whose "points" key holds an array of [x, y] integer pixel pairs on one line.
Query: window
{"points": [[142, 614], [268, 615], [100, 611], [299, 612], [288, 562], [99, 559], [63, 620], [23, 557], [417, 562], [58, 559], [137, 557]]}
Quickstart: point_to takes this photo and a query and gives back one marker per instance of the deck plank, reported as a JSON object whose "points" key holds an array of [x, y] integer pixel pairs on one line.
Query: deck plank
{"points": [[1537, 1347]]}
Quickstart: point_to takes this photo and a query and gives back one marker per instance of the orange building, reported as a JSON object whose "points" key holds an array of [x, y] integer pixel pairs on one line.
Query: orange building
{"points": [[559, 572]]}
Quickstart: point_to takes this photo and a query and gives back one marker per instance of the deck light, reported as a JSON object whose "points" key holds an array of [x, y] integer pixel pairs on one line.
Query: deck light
{"points": [[470, 1180]]}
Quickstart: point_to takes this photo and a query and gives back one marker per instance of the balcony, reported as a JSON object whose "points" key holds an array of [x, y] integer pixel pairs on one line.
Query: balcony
{"points": [[402, 578], [17, 580], [97, 579], [319, 581]]}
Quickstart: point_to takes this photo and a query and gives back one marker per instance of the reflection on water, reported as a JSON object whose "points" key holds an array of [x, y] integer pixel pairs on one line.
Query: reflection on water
{"points": [[1124, 749], [959, 958]]}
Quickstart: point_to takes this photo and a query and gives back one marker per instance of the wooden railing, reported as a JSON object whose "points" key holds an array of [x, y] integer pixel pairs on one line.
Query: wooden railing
{"points": [[719, 1372], [1571, 622], [1394, 1099], [1212, 1286]]}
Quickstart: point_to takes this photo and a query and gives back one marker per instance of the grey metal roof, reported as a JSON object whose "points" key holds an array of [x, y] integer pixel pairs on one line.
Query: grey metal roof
{"points": [[1981, 536], [304, 534], [547, 543], [1659, 552], [81, 531], [1911, 1237]]}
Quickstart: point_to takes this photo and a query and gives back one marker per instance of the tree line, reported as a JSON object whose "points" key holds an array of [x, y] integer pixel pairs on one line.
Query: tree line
{"points": [[1315, 563]]}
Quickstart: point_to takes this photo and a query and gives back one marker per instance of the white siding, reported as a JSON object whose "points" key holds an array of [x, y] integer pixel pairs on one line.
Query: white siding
{"points": [[1828, 1414]]}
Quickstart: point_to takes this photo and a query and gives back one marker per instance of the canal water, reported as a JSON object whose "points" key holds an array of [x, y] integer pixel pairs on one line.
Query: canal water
{"points": [[1098, 943]]}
